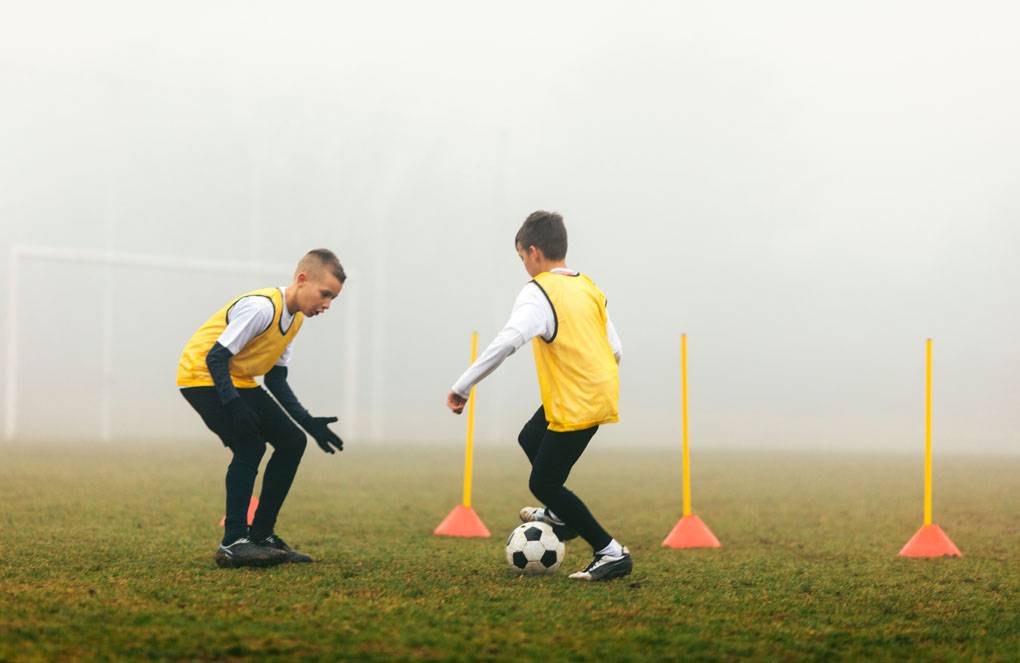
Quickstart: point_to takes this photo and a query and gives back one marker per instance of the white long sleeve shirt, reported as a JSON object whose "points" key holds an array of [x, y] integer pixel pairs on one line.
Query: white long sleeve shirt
{"points": [[249, 317], [532, 316]]}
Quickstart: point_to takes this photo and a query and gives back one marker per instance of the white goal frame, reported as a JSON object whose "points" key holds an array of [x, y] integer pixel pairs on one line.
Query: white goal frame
{"points": [[110, 259]]}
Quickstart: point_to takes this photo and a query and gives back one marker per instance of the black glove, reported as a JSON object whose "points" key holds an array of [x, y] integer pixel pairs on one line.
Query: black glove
{"points": [[318, 428], [246, 422]]}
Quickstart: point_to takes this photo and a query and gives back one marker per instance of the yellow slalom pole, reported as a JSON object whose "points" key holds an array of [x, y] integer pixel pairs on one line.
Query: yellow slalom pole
{"points": [[930, 540], [690, 531], [927, 435], [687, 451], [469, 451]]}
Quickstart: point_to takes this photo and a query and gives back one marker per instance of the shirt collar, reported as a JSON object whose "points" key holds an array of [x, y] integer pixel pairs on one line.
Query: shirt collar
{"points": [[286, 315]]}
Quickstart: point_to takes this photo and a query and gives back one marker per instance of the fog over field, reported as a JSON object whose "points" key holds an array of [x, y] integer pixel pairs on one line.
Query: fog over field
{"points": [[807, 190]]}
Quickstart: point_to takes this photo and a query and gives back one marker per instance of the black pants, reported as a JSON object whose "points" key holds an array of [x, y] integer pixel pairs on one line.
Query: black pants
{"points": [[276, 428], [552, 456]]}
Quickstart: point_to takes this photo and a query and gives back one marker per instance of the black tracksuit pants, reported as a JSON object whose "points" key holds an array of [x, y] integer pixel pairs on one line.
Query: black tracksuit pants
{"points": [[552, 456], [277, 429]]}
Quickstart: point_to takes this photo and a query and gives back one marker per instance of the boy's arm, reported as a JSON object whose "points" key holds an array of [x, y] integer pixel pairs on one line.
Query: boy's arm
{"points": [[317, 427], [614, 339], [507, 342], [532, 316], [276, 383], [218, 363], [248, 318]]}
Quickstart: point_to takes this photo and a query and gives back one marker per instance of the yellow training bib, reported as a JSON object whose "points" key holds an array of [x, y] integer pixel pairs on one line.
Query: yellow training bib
{"points": [[577, 372], [256, 358]]}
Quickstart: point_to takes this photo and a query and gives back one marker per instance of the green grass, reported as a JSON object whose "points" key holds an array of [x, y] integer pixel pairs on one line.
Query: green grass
{"points": [[107, 552]]}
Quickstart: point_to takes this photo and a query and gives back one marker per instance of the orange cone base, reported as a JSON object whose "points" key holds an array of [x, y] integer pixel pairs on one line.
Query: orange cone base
{"points": [[252, 507], [691, 532], [462, 521], [930, 541]]}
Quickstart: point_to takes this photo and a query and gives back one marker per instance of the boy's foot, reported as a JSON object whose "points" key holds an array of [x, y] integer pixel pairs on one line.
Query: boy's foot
{"points": [[606, 567], [537, 514], [245, 553], [293, 556]]}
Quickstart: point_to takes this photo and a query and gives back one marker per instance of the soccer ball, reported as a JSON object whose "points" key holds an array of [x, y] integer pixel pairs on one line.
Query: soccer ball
{"points": [[534, 549]]}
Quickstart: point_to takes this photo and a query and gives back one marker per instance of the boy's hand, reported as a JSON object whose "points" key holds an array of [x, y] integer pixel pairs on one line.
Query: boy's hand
{"points": [[246, 421], [455, 402], [324, 437]]}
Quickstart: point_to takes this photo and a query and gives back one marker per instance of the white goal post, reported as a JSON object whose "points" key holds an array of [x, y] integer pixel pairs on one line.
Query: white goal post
{"points": [[22, 252]]}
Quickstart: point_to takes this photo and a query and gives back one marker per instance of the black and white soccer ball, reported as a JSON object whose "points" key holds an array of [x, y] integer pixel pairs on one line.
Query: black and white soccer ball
{"points": [[534, 549]]}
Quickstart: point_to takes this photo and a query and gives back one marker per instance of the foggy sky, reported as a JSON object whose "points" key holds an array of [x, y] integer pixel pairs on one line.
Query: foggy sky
{"points": [[808, 191]]}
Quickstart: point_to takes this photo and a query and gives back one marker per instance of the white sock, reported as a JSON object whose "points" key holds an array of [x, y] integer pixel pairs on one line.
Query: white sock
{"points": [[614, 549]]}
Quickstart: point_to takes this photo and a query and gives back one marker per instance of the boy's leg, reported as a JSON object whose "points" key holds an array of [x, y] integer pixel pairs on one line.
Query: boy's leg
{"points": [[550, 468], [244, 466], [530, 440], [236, 549], [531, 435], [240, 483], [288, 443]]}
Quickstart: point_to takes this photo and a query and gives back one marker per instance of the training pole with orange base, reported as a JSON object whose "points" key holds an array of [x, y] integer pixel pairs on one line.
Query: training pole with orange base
{"points": [[930, 540], [463, 521], [690, 531]]}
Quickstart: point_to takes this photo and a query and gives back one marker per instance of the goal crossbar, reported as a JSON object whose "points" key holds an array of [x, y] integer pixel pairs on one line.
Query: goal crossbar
{"points": [[21, 252]]}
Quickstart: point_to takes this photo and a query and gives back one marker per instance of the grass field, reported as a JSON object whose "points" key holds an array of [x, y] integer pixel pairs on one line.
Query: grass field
{"points": [[107, 552]]}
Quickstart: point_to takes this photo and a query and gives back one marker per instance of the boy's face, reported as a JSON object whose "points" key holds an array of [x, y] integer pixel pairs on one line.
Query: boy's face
{"points": [[532, 258], [316, 291]]}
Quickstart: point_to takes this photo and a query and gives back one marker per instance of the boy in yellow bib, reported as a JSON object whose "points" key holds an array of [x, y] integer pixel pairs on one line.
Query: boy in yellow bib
{"points": [[250, 337], [563, 314]]}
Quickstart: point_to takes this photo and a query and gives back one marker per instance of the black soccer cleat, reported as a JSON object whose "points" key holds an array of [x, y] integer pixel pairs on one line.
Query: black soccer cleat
{"points": [[276, 543], [606, 567], [537, 514], [245, 553]]}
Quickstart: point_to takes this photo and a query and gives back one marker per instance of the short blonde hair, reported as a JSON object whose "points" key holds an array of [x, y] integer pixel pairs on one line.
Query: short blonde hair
{"points": [[318, 259]]}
